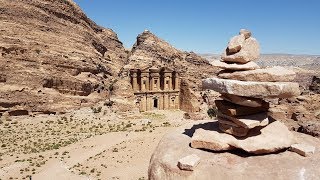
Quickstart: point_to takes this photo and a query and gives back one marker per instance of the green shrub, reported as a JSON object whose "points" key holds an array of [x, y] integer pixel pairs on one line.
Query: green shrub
{"points": [[96, 110], [109, 103], [212, 112]]}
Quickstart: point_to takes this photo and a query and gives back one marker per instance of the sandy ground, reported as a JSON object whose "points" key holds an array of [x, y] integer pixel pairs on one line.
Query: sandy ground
{"points": [[84, 144]]}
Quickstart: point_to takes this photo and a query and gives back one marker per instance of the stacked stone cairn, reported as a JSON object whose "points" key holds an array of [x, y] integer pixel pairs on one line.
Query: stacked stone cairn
{"points": [[242, 108]]}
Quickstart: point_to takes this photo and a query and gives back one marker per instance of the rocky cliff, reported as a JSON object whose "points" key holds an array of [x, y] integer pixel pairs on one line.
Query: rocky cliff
{"points": [[53, 57], [151, 50]]}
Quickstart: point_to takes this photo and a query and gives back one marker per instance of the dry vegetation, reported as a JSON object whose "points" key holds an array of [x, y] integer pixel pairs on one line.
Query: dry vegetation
{"points": [[96, 142]]}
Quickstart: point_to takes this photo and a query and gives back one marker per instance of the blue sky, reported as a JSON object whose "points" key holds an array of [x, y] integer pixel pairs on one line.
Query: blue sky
{"points": [[205, 26]]}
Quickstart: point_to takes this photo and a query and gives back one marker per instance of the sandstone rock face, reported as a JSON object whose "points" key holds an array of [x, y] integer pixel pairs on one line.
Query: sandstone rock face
{"points": [[250, 51], [189, 162], [273, 74], [315, 84], [245, 101], [252, 89], [303, 149], [236, 43], [230, 165], [237, 110], [53, 57], [310, 127], [271, 138], [247, 66], [232, 128], [249, 121], [245, 32], [150, 49]]}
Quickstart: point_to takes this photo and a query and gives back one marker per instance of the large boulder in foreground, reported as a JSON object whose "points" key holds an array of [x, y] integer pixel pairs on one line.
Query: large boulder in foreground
{"points": [[269, 139], [252, 88], [233, 164]]}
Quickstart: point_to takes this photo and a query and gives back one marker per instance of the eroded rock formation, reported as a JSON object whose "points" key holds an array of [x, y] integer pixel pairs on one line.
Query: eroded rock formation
{"points": [[151, 50], [53, 57]]}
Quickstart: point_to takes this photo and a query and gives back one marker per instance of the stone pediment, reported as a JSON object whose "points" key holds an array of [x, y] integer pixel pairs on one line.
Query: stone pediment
{"points": [[146, 68], [155, 69], [167, 69]]}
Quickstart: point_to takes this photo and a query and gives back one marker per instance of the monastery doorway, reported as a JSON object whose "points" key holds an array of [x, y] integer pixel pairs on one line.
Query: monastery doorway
{"points": [[155, 103]]}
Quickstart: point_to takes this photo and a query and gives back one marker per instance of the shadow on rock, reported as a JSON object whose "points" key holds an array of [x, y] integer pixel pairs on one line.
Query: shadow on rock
{"points": [[212, 126]]}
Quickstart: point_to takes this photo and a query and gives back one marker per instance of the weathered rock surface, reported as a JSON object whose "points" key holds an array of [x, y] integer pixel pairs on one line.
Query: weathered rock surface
{"points": [[233, 66], [245, 101], [230, 165], [235, 130], [315, 84], [273, 74], [245, 32], [236, 43], [252, 89], [309, 127], [250, 121], [272, 138], [250, 51], [189, 162], [53, 57], [303, 149], [231, 109]]}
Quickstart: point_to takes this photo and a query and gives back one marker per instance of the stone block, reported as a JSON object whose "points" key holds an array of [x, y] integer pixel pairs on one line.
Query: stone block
{"points": [[188, 163]]}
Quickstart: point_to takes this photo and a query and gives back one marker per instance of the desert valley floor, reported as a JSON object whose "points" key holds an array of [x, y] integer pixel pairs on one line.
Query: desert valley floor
{"points": [[85, 144]]}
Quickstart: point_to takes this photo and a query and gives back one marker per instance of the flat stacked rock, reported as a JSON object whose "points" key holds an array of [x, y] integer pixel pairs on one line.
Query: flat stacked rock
{"points": [[242, 110]]}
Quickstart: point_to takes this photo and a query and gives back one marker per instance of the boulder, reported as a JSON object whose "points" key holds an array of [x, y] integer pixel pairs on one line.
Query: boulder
{"points": [[274, 74], [230, 164], [224, 126], [189, 162], [269, 139], [234, 66], [249, 122], [236, 43], [245, 32], [252, 89], [250, 51], [245, 101], [231, 109]]}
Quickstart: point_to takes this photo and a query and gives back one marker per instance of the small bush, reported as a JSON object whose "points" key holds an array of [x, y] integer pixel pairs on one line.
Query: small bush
{"points": [[212, 112], [96, 110], [109, 103]]}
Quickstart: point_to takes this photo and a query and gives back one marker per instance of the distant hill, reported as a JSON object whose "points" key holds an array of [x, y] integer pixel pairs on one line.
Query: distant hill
{"points": [[311, 62]]}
